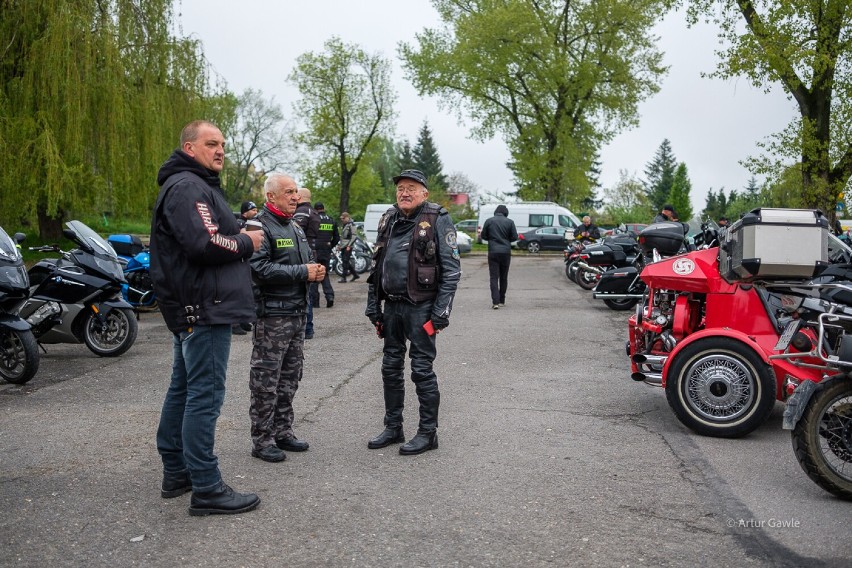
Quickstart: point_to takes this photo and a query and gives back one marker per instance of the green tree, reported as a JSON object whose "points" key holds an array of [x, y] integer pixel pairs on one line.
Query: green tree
{"points": [[257, 142], [405, 160], [347, 101], [659, 174], [679, 196], [626, 202], [92, 98], [557, 78], [803, 45], [426, 159]]}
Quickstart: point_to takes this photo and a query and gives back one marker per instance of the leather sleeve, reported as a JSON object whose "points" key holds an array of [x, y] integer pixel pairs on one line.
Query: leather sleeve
{"points": [[450, 265]]}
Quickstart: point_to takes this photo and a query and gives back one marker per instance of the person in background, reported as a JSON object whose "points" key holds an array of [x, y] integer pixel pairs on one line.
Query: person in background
{"points": [[327, 239], [248, 210], [588, 231], [203, 285], [667, 213], [415, 276], [347, 241], [723, 222], [500, 232], [282, 269], [309, 220]]}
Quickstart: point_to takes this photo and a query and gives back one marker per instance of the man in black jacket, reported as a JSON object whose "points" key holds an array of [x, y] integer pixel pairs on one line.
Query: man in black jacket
{"points": [[500, 232], [416, 274], [588, 231], [309, 220], [282, 270], [202, 282], [327, 239]]}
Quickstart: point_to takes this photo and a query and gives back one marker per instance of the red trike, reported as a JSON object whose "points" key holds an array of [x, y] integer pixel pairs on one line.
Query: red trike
{"points": [[708, 342]]}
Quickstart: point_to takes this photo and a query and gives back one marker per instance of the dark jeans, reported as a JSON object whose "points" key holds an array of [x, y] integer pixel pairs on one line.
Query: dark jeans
{"points": [[498, 273], [327, 290], [403, 322], [188, 420]]}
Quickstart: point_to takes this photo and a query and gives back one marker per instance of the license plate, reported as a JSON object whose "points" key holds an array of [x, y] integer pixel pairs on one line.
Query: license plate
{"points": [[787, 336]]}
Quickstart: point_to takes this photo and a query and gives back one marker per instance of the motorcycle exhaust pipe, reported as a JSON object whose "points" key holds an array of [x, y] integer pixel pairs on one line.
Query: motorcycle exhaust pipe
{"points": [[653, 379], [641, 358], [585, 266]]}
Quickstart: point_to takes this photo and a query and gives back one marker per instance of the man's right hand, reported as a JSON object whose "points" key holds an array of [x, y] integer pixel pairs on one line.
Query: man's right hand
{"points": [[316, 272], [378, 322], [255, 236]]}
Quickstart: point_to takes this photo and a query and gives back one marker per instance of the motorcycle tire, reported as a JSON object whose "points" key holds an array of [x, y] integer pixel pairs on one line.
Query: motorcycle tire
{"points": [[720, 387], [119, 336], [338, 268], [571, 271], [362, 263], [621, 304], [19, 356], [821, 439], [587, 279]]}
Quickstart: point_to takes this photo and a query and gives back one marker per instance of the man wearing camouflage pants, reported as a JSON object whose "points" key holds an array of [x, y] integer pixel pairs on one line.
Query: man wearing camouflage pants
{"points": [[282, 269]]}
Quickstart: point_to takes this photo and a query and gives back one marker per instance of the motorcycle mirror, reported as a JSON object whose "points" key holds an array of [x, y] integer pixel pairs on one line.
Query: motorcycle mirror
{"points": [[20, 237]]}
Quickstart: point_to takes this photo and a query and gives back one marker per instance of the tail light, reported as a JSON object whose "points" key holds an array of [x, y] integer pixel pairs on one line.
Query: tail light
{"points": [[520, 237]]}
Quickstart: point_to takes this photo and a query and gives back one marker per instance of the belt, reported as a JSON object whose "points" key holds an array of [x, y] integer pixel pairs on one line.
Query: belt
{"points": [[395, 298]]}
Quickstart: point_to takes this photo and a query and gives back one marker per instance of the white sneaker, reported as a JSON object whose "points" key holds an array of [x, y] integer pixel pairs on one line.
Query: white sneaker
{"points": [[495, 306]]}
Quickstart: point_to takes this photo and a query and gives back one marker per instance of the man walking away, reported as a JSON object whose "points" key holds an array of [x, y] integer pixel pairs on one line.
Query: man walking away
{"points": [[500, 232]]}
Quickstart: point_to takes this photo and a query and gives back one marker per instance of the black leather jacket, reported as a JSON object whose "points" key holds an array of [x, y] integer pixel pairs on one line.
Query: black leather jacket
{"points": [[328, 235], [396, 257], [308, 218], [279, 269]]}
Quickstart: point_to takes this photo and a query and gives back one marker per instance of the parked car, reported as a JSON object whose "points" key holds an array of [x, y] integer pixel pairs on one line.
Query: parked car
{"points": [[468, 226], [464, 241], [543, 238]]}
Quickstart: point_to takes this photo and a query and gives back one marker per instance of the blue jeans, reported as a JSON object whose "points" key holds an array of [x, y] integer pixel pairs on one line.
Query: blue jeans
{"points": [[188, 421], [309, 325]]}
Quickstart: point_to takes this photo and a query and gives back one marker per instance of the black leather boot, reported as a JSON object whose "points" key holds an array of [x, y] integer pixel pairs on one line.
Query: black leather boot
{"points": [[175, 484], [222, 501], [390, 435], [422, 442], [427, 437]]}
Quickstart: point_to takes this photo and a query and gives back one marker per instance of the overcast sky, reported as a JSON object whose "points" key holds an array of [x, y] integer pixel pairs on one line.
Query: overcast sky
{"points": [[711, 124]]}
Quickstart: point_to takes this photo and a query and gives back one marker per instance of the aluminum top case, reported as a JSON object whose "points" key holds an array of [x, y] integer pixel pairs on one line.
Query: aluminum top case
{"points": [[775, 244]]}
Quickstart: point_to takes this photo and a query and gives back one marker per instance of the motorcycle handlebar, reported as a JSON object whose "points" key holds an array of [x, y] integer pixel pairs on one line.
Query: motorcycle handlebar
{"points": [[46, 248]]}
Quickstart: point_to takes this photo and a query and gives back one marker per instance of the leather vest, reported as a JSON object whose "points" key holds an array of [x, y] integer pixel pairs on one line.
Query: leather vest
{"points": [[423, 267]]}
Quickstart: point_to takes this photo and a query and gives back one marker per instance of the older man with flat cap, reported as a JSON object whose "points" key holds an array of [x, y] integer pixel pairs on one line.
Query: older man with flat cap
{"points": [[409, 299]]}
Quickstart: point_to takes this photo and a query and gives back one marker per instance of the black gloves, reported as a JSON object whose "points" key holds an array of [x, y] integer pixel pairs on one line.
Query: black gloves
{"points": [[378, 321], [439, 322]]}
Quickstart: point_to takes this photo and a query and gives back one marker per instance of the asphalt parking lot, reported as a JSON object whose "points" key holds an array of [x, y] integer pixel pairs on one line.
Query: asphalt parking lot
{"points": [[549, 456]]}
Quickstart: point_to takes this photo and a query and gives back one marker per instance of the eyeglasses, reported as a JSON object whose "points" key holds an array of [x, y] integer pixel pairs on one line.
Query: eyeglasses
{"points": [[411, 189]]}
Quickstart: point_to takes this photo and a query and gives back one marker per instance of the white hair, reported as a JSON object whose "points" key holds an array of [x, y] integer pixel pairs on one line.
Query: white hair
{"points": [[272, 180]]}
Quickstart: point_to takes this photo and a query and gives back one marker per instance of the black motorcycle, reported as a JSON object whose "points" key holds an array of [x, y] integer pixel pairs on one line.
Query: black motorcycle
{"points": [[18, 348], [77, 298], [362, 257]]}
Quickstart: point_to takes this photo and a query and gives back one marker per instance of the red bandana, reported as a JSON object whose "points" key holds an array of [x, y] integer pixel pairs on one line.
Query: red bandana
{"points": [[277, 212]]}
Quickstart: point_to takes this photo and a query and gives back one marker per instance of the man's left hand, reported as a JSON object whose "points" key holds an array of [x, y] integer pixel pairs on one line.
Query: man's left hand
{"points": [[439, 322]]}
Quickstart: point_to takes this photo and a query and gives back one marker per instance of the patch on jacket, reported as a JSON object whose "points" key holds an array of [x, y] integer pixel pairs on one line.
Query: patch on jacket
{"points": [[283, 243]]}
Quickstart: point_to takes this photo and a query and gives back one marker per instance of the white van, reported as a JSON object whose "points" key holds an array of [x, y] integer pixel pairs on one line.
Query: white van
{"points": [[371, 219], [531, 215]]}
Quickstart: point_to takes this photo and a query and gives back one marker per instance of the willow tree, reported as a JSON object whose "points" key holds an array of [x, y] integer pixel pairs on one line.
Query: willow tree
{"points": [[93, 94], [557, 78], [806, 47], [347, 102]]}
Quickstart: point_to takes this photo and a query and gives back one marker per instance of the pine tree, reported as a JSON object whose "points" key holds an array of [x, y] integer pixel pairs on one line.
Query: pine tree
{"points": [[660, 176], [679, 195], [405, 160], [426, 159]]}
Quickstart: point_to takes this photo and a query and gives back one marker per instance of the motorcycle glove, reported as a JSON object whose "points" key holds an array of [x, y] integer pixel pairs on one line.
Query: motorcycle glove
{"points": [[439, 322], [378, 321]]}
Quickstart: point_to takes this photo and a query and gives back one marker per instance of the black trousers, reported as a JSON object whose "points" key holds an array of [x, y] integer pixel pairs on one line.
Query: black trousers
{"points": [[347, 262], [403, 323], [324, 259], [498, 273]]}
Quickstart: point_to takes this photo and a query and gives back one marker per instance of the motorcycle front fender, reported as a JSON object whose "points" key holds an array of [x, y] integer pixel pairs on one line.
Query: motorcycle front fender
{"points": [[13, 322], [797, 403]]}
